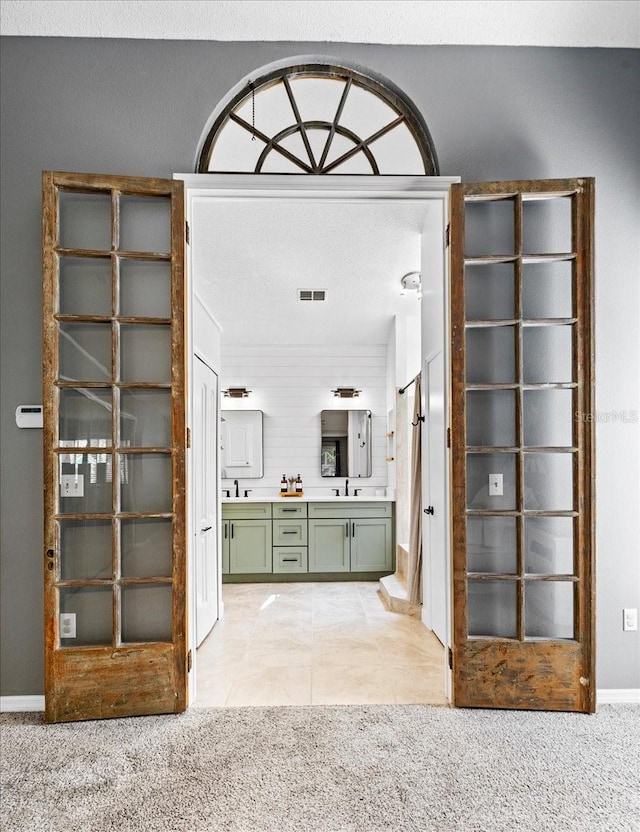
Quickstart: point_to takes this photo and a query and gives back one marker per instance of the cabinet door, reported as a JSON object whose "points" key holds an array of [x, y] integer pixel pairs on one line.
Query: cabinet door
{"points": [[250, 547], [226, 535], [329, 546], [371, 549]]}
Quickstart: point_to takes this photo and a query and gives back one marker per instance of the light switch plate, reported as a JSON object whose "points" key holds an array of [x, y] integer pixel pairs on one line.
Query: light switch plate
{"points": [[630, 620], [495, 485], [72, 485]]}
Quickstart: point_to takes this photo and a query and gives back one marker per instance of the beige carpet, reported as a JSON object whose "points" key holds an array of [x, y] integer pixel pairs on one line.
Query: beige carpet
{"points": [[325, 769]]}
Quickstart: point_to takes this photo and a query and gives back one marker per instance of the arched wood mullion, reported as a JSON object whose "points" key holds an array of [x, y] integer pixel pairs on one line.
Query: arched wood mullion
{"points": [[363, 144], [270, 142], [318, 125]]}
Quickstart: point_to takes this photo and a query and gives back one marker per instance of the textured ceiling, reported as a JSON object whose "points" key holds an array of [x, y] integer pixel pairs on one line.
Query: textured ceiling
{"points": [[251, 260], [580, 23]]}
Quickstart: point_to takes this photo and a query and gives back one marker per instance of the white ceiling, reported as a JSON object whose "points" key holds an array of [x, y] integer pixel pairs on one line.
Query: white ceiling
{"points": [[251, 260], [579, 23]]}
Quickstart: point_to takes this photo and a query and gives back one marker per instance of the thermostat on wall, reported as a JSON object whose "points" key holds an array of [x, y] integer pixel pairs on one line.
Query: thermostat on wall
{"points": [[29, 416]]}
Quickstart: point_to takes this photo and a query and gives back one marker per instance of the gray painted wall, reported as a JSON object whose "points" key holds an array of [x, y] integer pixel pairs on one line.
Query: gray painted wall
{"points": [[139, 107]]}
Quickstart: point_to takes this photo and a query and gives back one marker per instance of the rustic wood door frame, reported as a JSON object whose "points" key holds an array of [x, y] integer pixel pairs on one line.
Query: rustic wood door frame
{"points": [[520, 671], [113, 676]]}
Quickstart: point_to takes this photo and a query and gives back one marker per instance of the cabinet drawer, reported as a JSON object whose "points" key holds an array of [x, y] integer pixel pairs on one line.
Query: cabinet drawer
{"points": [[290, 532], [290, 559], [246, 511], [350, 509], [297, 510]]}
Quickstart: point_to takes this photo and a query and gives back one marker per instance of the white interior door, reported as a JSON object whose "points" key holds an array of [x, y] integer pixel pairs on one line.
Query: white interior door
{"points": [[435, 480], [205, 399]]}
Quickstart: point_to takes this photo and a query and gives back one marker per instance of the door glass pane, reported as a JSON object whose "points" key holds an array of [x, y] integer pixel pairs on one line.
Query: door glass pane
{"points": [[93, 609], [145, 353], [548, 545], [547, 354], [146, 613], [489, 227], [490, 355], [548, 609], [85, 549], [479, 469], [85, 221], [145, 288], [147, 548], [546, 290], [86, 414], [491, 418], [145, 418], [145, 483], [85, 483], [489, 291], [85, 286], [546, 225], [548, 481], [491, 544], [85, 352], [548, 418], [145, 224], [491, 607]]}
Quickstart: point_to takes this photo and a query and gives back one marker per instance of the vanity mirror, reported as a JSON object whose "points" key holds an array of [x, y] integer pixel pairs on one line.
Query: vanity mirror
{"points": [[345, 443], [241, 444]]}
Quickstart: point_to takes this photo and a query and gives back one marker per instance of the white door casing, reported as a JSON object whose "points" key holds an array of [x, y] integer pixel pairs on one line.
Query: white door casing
{"points": [[205, 463]]}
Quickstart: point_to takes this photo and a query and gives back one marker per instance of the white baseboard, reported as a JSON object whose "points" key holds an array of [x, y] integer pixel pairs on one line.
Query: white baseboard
{"points": [[618, 696], [21, 703]]}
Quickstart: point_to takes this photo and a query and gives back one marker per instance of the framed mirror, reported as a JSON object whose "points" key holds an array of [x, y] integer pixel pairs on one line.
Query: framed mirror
{"points": [[345, 444], [241, 444]]}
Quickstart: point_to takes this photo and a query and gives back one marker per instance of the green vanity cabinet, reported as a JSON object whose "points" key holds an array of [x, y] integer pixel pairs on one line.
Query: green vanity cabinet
{"points": [[247, 539], [350, 538], [306, 538]]}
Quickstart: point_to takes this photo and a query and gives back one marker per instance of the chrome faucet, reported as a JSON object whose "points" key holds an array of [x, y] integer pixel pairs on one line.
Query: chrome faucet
{"points": [[235, 482]]}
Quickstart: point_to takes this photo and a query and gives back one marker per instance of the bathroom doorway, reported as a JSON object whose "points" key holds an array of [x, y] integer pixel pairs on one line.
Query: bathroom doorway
{"points": [[235, 207]]}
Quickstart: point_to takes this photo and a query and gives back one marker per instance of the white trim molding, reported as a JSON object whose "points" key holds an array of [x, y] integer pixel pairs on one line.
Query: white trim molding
{"points": [[19, 704], [618, 696]]}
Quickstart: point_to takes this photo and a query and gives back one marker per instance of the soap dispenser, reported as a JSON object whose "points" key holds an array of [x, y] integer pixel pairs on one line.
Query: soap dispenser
{"points": [[283, 485], [298, 485]]}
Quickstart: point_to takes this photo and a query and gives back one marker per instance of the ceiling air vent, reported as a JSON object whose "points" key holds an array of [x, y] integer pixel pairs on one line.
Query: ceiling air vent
{"points": [[311, 294]]}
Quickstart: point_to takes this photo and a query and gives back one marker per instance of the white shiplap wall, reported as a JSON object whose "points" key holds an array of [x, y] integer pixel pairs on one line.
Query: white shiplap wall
{"points": [[291, 385]]}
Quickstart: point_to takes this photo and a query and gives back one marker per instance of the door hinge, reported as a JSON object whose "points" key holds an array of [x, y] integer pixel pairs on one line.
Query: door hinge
{"points": [[450, 659], [188, 437], [187, 232], [189, 661], [448, 437], [447, 235]]}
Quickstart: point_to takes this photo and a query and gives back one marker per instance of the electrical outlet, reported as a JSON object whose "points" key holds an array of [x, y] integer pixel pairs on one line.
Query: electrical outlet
{"points": [[630, 619], [496, 488], [72, 485], [67, 625]]}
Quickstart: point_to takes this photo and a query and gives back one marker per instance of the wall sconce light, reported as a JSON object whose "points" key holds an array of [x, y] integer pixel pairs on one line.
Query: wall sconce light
{"points": [[346, 392], [237, 392], [412, 282]]}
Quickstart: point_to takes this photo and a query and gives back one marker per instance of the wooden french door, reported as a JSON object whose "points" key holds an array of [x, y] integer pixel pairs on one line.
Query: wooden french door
{"points": [[522, 444], [114, 446]]}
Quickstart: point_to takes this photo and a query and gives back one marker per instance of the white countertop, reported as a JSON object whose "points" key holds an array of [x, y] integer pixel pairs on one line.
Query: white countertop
{"points": [[306, 498]]}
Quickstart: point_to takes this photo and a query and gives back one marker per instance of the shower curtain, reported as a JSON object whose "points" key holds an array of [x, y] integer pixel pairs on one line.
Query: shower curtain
{"points": [[414, 566]]}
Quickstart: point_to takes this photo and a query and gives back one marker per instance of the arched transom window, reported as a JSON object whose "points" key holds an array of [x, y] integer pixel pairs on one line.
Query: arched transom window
{"points": [[319, 119]]}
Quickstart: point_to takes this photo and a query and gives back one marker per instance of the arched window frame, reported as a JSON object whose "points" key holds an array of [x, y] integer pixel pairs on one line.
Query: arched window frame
{"points": [[373, 83]]}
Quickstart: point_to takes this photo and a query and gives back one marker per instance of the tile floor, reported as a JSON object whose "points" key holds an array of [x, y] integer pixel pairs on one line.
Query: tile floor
{"points": [[317, 643]]}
